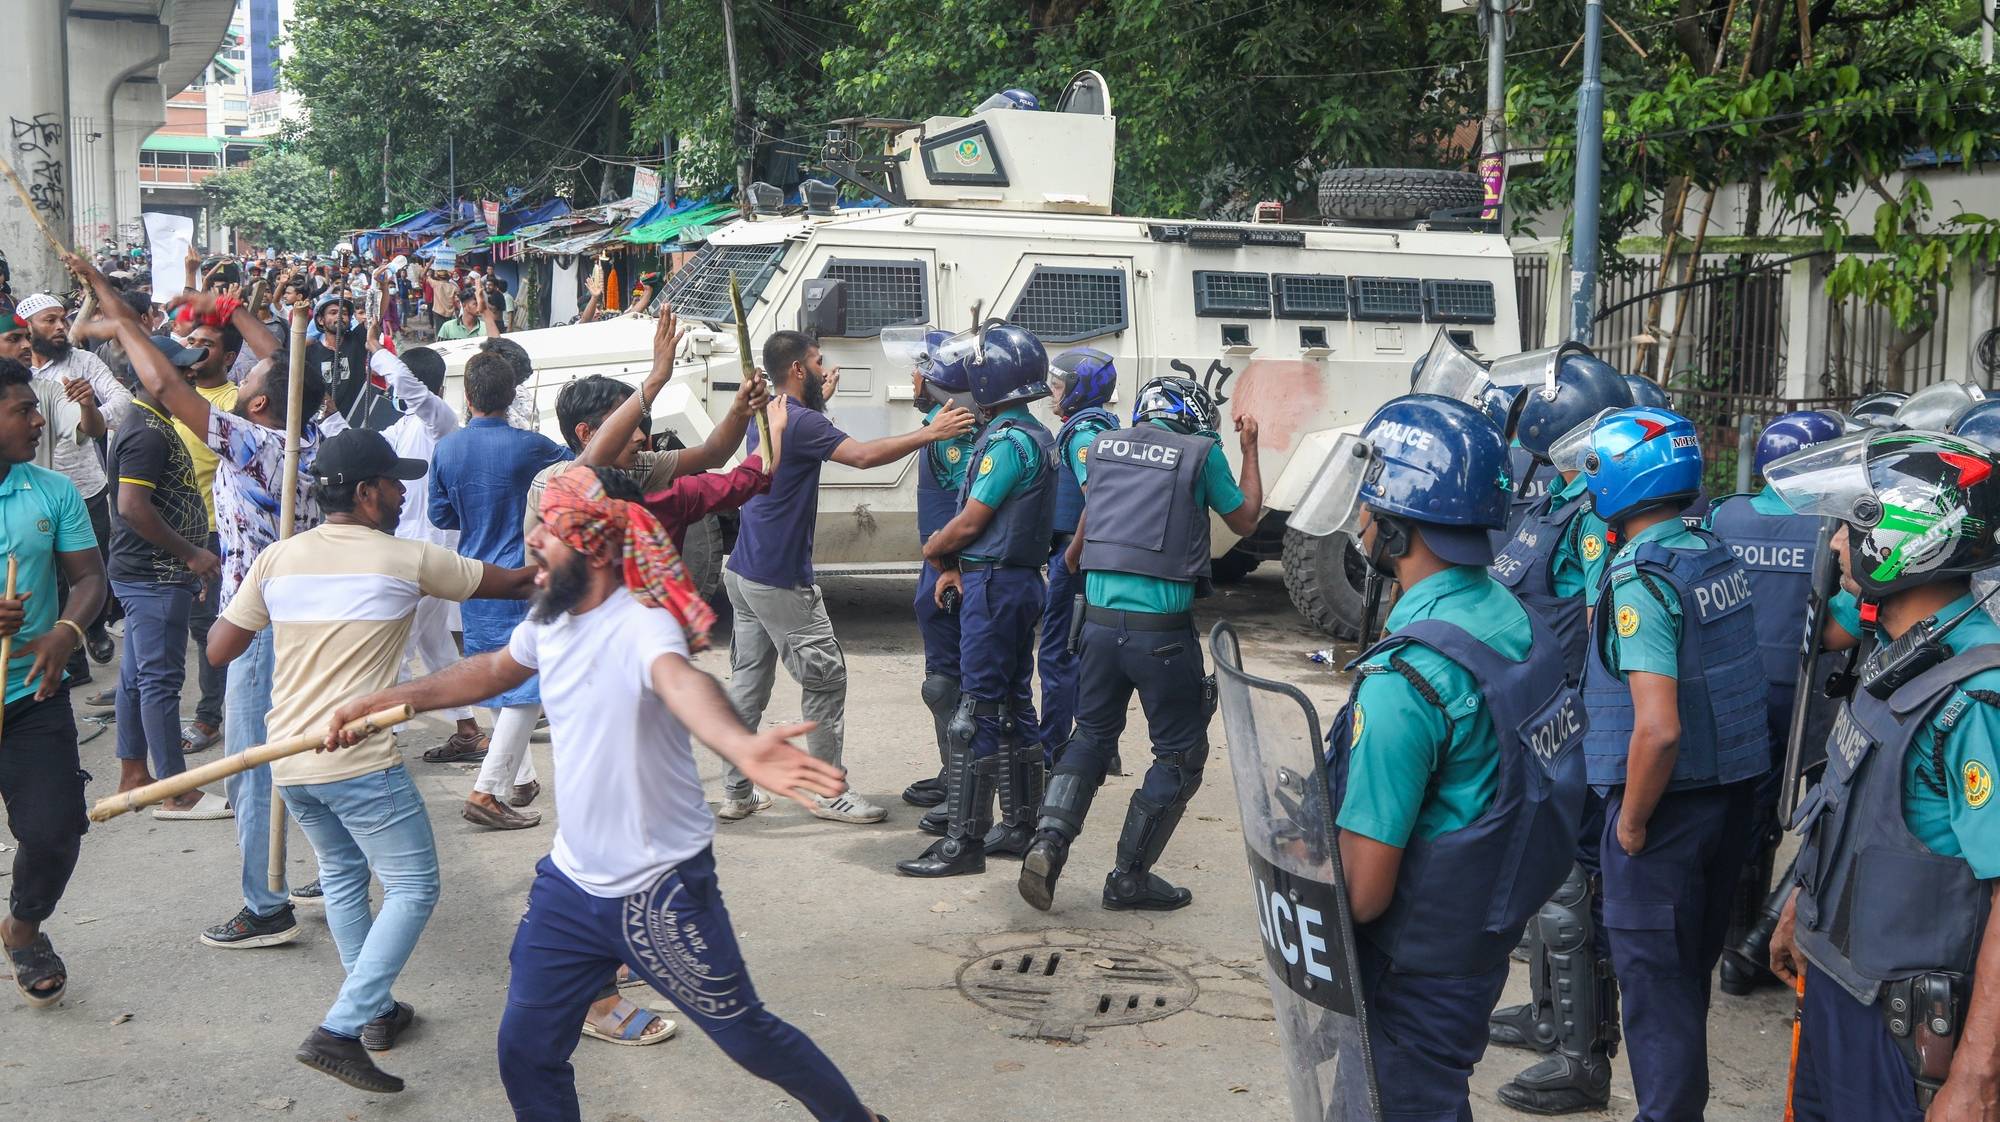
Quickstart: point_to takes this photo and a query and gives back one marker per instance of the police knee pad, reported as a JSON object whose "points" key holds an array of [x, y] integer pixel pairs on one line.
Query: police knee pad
{"points": [[1187, 766], [940, 693], [964, 725], [1565, 923]]}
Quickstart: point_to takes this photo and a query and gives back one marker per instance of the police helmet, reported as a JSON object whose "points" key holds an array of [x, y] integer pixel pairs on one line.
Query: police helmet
{"points": [[1980, 424], [1918, 505], [1637, 458], [1645, 391], [1179, 403], [1001, 363], [1080, 378], [1012, 97], [1877, 410], [1585, 387], [1793, 431], [1936, 406]]}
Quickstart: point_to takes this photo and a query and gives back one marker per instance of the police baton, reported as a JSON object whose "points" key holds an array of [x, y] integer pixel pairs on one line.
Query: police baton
{"points": [[1825, 581]]}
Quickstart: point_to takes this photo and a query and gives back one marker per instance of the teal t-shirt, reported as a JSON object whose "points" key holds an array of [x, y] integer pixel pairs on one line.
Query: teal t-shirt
{"points": [[1954, 813], [1768, 501], [948, 460], [1645, 629], [1009, 464], [1581, 555], [1130, 592], [41, 515], [1410, 770]]}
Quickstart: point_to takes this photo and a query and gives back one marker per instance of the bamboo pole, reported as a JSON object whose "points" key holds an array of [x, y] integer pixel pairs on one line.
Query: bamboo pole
{"points": [[288, 505]]}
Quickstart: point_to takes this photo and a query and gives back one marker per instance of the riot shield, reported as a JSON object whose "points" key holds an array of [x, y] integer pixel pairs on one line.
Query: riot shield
{"points": [[1277, 756]]}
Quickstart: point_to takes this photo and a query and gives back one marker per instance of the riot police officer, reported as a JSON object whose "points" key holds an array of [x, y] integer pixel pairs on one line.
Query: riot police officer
{"points": [[1456, 766], [992, 552], [1889, 923], [940, 474], [1778, 549], [1080, 382], [1142, 542], [1677, 741]]}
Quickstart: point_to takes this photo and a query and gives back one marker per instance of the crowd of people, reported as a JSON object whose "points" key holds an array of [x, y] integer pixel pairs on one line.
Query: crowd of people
{"points": [[1575, 729]]}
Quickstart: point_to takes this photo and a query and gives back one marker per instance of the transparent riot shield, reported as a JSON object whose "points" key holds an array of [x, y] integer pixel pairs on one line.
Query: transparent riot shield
{"points": [[1277, 756]]}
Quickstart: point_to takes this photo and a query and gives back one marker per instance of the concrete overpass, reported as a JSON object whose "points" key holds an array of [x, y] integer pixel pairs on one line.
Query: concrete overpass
{"points": [[89, 81]]}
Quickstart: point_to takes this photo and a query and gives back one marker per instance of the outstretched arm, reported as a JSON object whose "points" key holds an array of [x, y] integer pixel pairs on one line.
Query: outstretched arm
{"points": [[462, 683], [768, 758], [159, 376], [951, 422]]}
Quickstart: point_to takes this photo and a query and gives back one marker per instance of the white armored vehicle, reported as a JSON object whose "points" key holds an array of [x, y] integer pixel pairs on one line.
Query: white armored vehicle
{"points": [[1308, 328]]}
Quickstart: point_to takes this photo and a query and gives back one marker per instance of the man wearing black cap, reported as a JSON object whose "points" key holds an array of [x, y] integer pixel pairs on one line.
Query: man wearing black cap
{"points": [[339, 600]]}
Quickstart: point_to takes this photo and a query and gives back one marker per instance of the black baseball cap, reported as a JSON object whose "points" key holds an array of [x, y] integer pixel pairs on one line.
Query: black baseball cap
{"points": [[353, 455]]}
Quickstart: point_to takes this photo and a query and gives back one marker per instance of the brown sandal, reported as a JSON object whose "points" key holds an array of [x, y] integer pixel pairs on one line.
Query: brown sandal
{"points": [[460, 749]]}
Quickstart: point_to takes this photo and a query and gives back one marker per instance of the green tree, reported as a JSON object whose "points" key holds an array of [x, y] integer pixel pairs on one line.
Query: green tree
{"points": [[280, 199]]}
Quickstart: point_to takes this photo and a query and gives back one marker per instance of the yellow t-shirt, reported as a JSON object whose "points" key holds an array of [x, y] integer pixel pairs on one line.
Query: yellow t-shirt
{"points": [[219, 397], [339, 600]]}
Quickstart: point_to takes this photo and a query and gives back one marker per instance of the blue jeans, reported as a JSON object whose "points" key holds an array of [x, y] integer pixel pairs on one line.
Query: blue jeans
{"points": [[248, 698], [373, 823], [151, 673]]}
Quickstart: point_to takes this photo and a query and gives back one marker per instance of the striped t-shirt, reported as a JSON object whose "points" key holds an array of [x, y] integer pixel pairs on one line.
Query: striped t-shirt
{"points": [[338, 599]]}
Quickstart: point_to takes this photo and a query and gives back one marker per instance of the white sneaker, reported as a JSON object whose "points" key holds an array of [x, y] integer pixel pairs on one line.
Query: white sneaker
{"points": [[849, 807], [733, 809]]}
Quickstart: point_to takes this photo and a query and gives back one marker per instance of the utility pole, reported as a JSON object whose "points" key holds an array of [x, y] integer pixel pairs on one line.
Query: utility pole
{"points": [[1986, 33], [666, 137], [1493, 148], [385, 175], [451, 178], [736, 109], [1589, 160]]}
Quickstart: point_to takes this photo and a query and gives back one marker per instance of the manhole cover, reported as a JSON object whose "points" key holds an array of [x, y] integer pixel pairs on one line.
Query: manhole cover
{"points": [[1062, 990]]}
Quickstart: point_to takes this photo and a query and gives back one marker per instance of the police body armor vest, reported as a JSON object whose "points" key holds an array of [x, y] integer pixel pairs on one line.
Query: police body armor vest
{"points": [[1777, 551], [936, 503], [1526, 565], [1522, 465], [1875, 904], [1463, 897], [1069, 493], [1724, 738], [1146, 515], [1020, 529]]}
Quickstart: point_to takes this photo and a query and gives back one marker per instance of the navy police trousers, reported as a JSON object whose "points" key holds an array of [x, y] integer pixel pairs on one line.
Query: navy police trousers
{"points": [[1426, 1032], [997, 649], [1849, 1066], [938, 627], [1056, 665]]}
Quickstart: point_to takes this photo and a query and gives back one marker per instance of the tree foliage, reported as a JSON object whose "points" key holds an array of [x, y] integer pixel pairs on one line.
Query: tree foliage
{"points": [[280, 199]]}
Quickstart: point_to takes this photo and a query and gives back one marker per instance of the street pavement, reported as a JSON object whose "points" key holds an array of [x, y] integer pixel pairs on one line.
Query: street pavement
{"points": [[157, 1026]]}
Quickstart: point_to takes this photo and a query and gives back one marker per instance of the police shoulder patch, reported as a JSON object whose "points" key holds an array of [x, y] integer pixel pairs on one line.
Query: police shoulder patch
{"points": [[1593, 547], [986, 463], [1360, 722], [954, 453], [1083, 452], [1978, 784], [1628, 621]]}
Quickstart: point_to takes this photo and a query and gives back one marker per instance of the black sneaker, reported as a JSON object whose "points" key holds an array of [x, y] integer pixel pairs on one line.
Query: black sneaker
{"points": [[380, 1034], [345, 1059], [248, 929], [98, 643], [308, 893]]}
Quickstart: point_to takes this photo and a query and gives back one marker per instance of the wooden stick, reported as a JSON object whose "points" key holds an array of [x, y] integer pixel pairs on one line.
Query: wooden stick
{"points": [[288, 505], [111, 806], [749, 365], [7, 644], [34, 212]]}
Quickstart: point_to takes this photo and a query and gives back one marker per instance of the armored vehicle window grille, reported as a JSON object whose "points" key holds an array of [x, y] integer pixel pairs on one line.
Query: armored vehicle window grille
{"points": [[1231, 294], [1062, 305], [1303, 296], [700, 289], [1395, 299], [1458, 301], [880, 293]]}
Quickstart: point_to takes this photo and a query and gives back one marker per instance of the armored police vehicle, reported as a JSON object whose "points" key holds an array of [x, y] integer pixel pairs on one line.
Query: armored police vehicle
{"points": [[1306, 327]]}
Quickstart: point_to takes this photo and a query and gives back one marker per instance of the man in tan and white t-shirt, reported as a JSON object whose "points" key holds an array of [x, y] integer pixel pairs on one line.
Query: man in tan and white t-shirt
{"points": [[339, 600]]}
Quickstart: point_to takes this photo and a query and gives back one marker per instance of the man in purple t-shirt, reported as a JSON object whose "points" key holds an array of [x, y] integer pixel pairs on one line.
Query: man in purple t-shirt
{"points": [[780, 615]]}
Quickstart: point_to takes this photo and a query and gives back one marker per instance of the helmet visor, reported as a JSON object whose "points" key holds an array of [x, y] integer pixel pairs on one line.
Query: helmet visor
{"points": [[1936, 406], [1530, 368], [1829, 480], [1450, 372], [1332, 502], [904, 347], [967, 346], [1569, 451]]}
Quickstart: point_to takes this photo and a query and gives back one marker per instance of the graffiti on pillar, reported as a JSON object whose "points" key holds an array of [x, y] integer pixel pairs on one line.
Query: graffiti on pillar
{"points": [[37, 152], [1213, 379]]}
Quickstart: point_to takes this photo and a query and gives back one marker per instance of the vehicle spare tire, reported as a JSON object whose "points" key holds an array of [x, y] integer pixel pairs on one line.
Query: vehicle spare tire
{"points": [[1327, 579], [1396, 194]]}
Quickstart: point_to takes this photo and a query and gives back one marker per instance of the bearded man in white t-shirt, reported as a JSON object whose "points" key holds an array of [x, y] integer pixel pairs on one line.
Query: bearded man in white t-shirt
{"points": [[631, 878]]}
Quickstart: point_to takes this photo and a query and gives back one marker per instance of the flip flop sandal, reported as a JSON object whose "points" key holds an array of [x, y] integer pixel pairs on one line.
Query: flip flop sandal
{"points": [[633, 1033], [631, 981], [37, 963], [195, 740]]}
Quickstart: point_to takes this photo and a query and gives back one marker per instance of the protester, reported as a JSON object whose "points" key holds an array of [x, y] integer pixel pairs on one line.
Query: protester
{"points": [[612, 627], [780, 614], [159, 527], [47, 529], [337, 601], [476, 317], [339, 353], [443, 298]]}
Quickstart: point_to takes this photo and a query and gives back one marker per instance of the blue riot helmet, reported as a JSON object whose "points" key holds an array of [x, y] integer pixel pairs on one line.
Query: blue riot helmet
{"points": [[1877, 410], [1002, 364], [1936, 406], [1647, 392], [1635, 458], [1582, 386], [1433, 461], [1011, 98], [1497, 402], [1080, 378], [915, 347], [1179, 403], [1981, 424], [1793, 431]]}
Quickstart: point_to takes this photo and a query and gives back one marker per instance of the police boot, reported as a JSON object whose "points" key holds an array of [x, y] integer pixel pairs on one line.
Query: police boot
{"points": [[1576, 1075], [1132, 885], [1745, 963], [962, 850], [941, 698], [1064, 808], [1020, 797]]}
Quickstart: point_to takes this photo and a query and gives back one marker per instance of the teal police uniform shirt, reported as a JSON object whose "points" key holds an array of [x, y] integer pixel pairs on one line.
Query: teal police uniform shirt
{"points": [[1010, 463], [1582, 554], [951, 457], [1130, 592], [1411, 772], [41, 515], [1844, 609], [1076, 451], [1645, 630]]}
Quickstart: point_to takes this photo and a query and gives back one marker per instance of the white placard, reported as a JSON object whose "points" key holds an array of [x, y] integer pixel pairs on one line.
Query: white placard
{"points": [[168, 237]]}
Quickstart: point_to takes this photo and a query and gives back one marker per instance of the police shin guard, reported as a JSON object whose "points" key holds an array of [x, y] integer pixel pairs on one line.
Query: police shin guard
{"points": [[1132, 885], [1576, 1075], [1532, 1023], [968, 804], [941, 698], [1062, 814], [1746, 961], [1020, 783]]}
